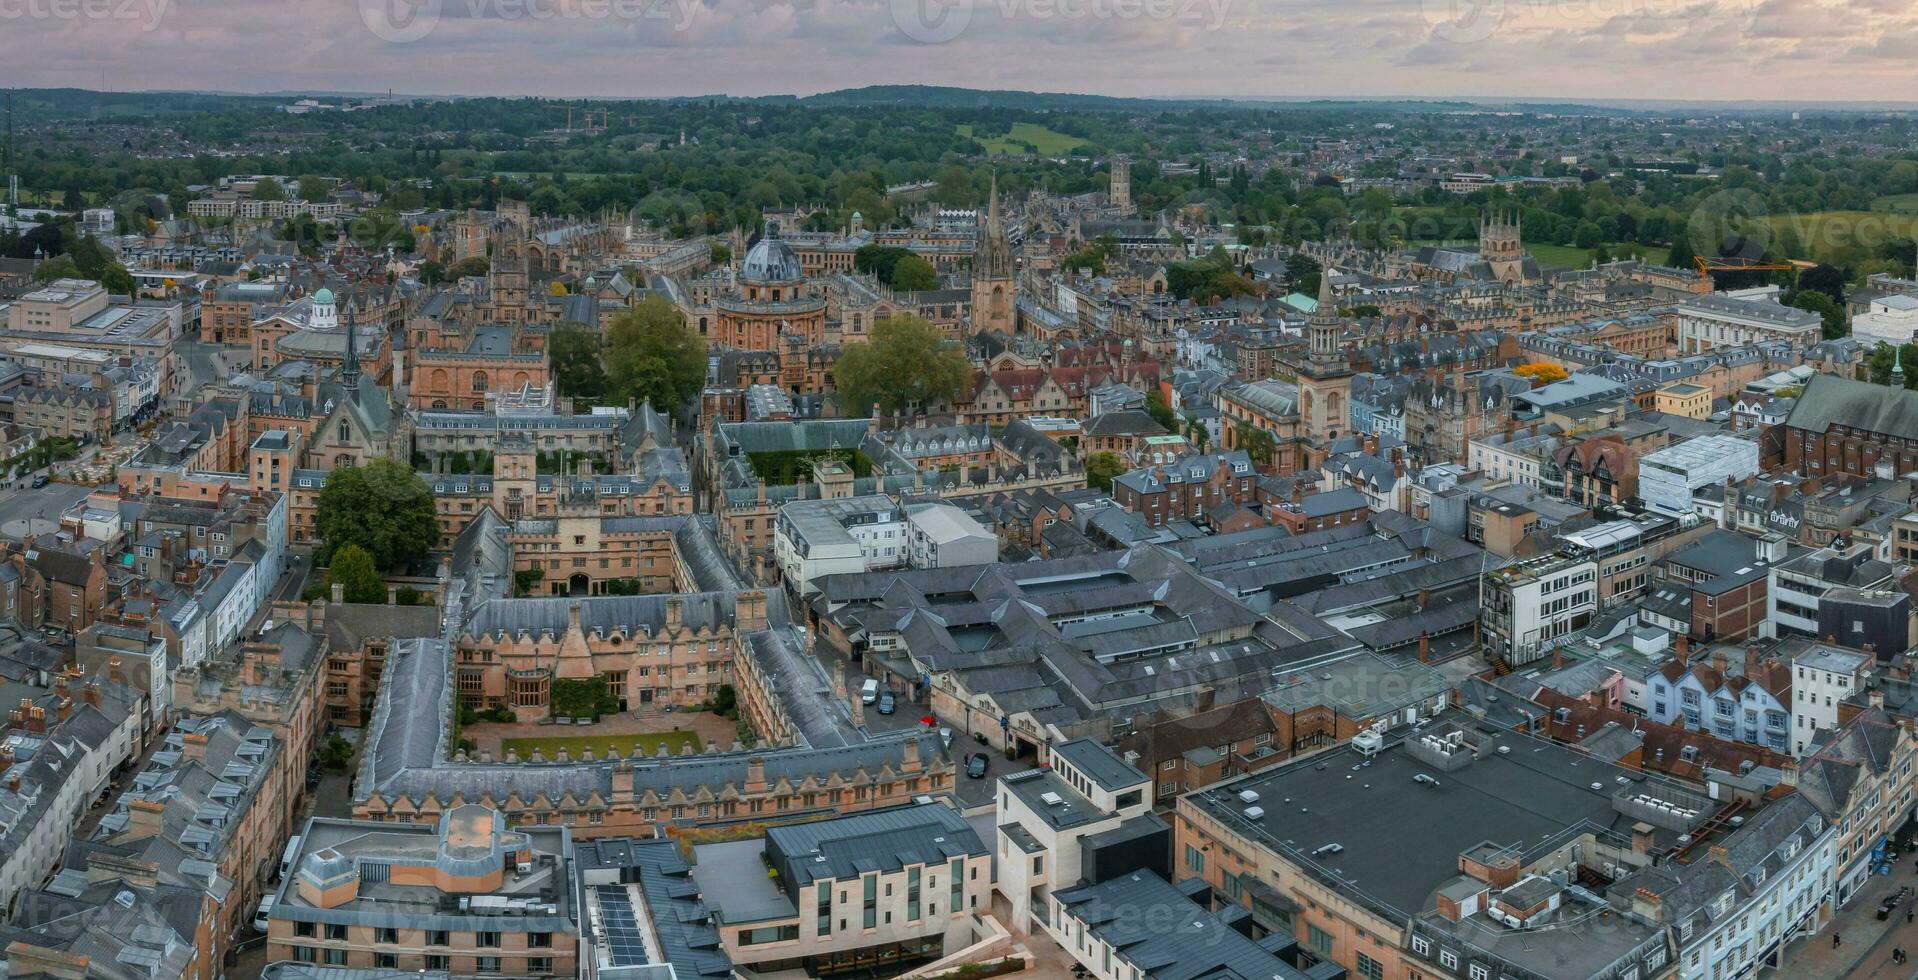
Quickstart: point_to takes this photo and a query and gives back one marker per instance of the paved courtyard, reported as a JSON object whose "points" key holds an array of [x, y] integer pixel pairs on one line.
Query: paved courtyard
{"points": [[711, 729]]}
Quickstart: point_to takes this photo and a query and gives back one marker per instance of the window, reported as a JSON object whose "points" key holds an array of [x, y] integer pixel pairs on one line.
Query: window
{"points": [[387, 935], [334, 957], [437, 937], [335, 931], [539, 964], [486, 964], [303, 929], [539, 940], [871, 884], [435, 962], [1421, 946], [386, 961], [1318, 939], [1448, 959], [1194, 860], [1369, 968], [486, 939]]}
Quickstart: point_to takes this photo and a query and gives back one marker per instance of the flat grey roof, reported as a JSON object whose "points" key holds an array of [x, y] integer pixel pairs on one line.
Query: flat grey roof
{"points": [[1401, 839]]}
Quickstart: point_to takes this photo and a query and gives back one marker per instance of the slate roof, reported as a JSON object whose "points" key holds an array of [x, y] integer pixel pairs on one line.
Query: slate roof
{"points": [[1830, 400]]}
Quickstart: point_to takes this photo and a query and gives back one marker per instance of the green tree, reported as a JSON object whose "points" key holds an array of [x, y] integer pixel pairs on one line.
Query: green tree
{"points": [[474, 266], [1100, 469], [383, 507], [905, 364], [652, 355], [913, 273], [1828, 310], [574, 352], [352, 570], [431, 272], [1161, 413], [722, 253], [118, 280], [1681, 255], [269, 189], [314, 188], [58, 267], [1257, 443]]}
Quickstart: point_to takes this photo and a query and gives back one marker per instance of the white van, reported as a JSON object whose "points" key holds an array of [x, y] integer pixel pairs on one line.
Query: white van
{"points": [[260, 917], [869, 691], [288, 856]]}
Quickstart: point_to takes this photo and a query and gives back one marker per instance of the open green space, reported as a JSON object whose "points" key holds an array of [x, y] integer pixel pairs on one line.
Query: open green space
{"points": [[1026, 137], [1897, 203], [575, 745], [786, 467], [1573, 257]]}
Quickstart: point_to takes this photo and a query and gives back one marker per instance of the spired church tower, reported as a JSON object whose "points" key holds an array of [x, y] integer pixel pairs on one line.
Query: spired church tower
{"points": [[993, 285], [1499, 243], [1325, 379]]}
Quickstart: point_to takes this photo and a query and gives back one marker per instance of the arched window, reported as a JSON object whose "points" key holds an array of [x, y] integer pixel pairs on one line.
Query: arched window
{"points": [[479, 381]]}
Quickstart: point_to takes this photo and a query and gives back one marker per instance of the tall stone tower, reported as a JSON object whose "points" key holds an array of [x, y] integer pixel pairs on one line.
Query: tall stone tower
{"points": [[1325, 379], [1500, 244], [1121, 189], [507, 279], [993, 286]]}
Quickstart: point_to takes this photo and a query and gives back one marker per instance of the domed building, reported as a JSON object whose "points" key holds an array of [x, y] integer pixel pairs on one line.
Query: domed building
{"points": [[770, 301]]}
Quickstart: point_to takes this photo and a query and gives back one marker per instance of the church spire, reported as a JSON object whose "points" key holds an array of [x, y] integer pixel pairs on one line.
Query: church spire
{"points": [[992, 256], [350, 370]]}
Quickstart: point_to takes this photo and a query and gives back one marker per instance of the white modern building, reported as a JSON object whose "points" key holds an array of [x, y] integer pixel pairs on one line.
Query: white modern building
{"points": [[1890, 319], [1667, 478], [1045, 817], [1822, 678], [1528, 605], [840, 536], [1718, 320], [943, 536]]}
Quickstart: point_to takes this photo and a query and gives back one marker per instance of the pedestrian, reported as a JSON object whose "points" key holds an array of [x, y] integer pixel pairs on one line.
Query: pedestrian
{"points": [[1834, 940]]}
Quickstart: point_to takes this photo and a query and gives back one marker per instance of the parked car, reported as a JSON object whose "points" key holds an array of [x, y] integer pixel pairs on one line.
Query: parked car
{"points": [[869, 691], [886, 704], [976, 765], [39, 480]]}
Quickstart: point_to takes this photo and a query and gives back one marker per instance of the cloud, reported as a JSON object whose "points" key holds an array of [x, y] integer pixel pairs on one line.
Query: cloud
{"points": [[1811, 49]]}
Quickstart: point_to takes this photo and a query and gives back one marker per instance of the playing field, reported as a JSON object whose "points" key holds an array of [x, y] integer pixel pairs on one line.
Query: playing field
{"points": [[1842, 235], [1041, 140], [575, 745], [1899, 203]]}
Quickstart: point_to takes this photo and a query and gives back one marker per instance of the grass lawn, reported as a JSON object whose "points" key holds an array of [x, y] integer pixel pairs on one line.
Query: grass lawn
{"points": [[1898, 203], [1044, 141], [1829, 235], [1573, 257], [574, 745]]}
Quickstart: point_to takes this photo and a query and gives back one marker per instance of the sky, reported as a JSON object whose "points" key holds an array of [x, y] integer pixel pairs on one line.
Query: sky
{"points": [[1789, 50]]}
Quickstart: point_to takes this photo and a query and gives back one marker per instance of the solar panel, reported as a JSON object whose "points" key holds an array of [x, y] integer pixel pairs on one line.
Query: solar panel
{"points": [[625, 942]]}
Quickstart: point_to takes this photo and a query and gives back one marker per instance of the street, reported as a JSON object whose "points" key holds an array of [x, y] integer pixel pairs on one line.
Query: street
{"points": [[331, 799], [1864, 952], [30, 511]]}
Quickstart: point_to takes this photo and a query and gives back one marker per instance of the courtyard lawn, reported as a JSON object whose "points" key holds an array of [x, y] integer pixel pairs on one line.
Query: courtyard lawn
{"points": [[574, 745], [1573, 257], [1045, 142]]}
